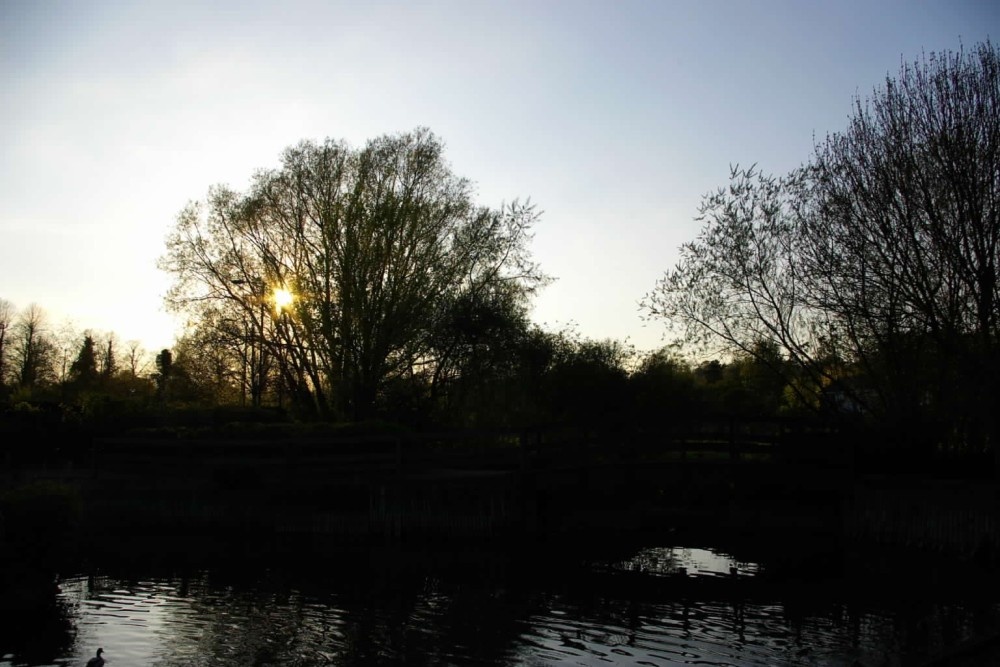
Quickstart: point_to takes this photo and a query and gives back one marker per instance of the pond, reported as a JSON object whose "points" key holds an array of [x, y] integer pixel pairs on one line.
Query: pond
{"points": [[175, 602]]}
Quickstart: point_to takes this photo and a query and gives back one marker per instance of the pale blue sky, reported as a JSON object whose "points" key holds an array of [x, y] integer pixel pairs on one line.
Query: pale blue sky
{"points": [[614, 117]]}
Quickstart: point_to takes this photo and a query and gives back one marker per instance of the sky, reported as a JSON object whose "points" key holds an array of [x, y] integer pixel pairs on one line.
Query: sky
{"points": [[615, 118]]}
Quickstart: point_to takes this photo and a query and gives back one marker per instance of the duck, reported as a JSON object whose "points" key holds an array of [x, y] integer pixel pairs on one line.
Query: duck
{"points": [[97, 660]]}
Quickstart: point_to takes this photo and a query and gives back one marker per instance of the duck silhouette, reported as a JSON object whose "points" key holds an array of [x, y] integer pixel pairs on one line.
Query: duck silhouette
{"points": [[97, 660]]}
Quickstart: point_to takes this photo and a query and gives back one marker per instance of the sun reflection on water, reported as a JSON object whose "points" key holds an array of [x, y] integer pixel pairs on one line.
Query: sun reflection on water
{"points": [[386, 612]]}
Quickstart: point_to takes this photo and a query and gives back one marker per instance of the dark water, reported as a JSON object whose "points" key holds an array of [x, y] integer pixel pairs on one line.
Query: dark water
{"points": [[659, 604]]}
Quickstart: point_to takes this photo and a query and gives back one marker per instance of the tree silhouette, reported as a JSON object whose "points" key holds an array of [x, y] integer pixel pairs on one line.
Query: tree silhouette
{"points": [[83, 371], [32, 349], [165, 370], [374, 242], [879, 256]]}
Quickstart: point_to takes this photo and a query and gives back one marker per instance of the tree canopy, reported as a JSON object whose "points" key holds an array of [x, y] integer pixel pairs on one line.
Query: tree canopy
{"points": [[339, 268]]}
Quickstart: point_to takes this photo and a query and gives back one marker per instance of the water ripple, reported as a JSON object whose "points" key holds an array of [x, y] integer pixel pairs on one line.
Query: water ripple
{"points": [[272, 619]]}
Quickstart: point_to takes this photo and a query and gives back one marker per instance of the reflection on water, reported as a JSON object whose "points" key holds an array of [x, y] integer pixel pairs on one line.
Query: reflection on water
{"points": [[686, 560], [416, 609]]}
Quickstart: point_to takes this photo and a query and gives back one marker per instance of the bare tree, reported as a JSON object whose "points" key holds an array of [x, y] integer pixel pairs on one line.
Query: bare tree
{"points": [[136, 358], [66, 339], [7, 315], [882, 251], [904, 241], [32, 349]]}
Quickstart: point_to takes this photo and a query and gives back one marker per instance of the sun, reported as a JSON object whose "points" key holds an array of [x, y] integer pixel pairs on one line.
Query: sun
{"points": [[282, 298]]}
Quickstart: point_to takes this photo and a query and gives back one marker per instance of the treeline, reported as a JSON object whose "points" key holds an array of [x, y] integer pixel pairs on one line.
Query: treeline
{"points": [[529, 377], [358, 283], [509, 373], [352, 284], [70, 375]]}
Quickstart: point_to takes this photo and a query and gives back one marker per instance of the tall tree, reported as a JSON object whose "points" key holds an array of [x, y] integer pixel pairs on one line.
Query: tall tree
{"points": [[164, 372], [107, 361], [7, 316], [372, 241], [881, 251], [903, 239], [83, 371], [32, 349]]}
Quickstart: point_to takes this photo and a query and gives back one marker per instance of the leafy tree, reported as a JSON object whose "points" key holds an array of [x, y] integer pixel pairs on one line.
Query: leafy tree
{"points": [[139, 389], [535, 355], [83, 371], [759, 381], [741, 287], [710, 372], [209, 370], [374, 242], [201, 376], [588, 383], [664, 391], [164, 372], [474, 352]]}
